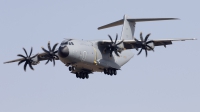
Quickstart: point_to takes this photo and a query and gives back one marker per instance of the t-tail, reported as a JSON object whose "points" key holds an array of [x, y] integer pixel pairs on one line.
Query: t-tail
{"points": [[128, 28]]}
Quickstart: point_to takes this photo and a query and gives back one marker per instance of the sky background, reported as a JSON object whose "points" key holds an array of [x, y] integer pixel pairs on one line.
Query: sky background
{"points": [[168, 80]]}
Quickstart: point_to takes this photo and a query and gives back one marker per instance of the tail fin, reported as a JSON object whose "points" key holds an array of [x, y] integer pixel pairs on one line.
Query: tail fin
{"points": [[129, 25], [128, 29]]}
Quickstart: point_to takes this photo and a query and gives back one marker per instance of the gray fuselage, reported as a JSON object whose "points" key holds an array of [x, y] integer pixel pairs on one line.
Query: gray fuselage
{"points": [[89, 55]]}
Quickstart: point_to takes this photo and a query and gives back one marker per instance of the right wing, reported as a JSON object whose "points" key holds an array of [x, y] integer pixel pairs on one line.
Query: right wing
{"points": [[49, 55], [39, 57]]}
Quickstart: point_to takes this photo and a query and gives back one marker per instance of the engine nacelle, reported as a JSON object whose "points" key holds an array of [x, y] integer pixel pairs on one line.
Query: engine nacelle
{"points": [[35, 61], [151, 45]]}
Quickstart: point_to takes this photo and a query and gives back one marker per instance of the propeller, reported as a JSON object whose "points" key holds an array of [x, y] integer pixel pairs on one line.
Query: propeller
{"points": [[27, 59], [143, 43], [113, 46], [51, 53]]}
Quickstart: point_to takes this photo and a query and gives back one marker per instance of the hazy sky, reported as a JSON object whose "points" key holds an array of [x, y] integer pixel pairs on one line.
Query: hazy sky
{"points": [[168, 80]]}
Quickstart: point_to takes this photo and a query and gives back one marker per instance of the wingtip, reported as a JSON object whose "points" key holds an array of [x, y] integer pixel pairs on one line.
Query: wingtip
{"points": [[177, 18], [6, 62]]}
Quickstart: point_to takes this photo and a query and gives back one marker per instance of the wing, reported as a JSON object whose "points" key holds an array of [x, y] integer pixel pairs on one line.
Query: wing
{"points": [[49, 55], [40, 57], [16, 60], [132, 44]]}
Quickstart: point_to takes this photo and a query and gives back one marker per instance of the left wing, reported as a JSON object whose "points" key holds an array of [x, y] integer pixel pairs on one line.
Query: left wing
{"points": [[133, 44], [117, 46]]}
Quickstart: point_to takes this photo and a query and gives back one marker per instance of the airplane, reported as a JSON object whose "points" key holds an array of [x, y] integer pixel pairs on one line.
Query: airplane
{"points": [[83, 57]]}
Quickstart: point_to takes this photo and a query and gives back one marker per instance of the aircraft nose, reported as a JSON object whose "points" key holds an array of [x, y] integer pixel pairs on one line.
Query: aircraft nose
{"points": [[63, 51]]}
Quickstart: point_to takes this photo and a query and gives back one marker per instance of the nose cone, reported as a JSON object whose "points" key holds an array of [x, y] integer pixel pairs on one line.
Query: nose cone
{"points": [[63, 51]]}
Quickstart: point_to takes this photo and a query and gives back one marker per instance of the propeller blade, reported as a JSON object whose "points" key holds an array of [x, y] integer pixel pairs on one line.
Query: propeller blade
{"points": [[136, 40], [147, 37], [146, 52], [25, 52], [49, 46], [150, 42], [140, 51], [45, 50], [47, 62], [34, 56], [150, 47], [118, 48], [25, 65], [54, 46], [30, 66], [110, 38], [56, 56], [53, 62], [141, 37], [21, 56], [55, 51], [116, 53], [21, 62], [116, 38], [120, 42], [31, 52]]}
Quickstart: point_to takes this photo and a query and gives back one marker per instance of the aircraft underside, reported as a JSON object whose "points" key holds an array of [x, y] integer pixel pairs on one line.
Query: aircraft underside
{"points": [[83, 65]]}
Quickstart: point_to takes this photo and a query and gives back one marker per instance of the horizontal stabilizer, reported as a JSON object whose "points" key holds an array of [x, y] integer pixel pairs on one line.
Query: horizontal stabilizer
{"points": [[120, 22], [150, 19]]}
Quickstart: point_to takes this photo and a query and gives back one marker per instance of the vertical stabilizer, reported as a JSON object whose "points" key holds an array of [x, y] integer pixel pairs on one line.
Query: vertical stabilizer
{"points": [[128, 29]]}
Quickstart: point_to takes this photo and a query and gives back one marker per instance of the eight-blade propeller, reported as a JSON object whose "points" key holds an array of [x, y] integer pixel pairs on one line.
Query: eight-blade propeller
{"points": [[27, 59], [51, 54], [143, 43], [113, 46]]}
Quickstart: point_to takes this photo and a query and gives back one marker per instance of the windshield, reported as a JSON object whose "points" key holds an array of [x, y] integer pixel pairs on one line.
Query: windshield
{"points": [[65, 42]]}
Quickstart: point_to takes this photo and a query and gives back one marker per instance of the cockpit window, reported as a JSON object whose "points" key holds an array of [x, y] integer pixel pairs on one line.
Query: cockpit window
{"points": [[67, 42], [64, 43]]}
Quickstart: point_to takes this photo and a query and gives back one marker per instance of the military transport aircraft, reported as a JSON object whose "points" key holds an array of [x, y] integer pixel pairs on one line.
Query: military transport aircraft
{"points": [[108, 56]]}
